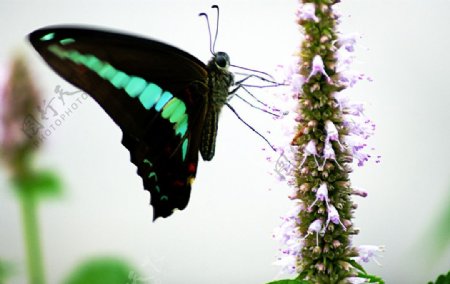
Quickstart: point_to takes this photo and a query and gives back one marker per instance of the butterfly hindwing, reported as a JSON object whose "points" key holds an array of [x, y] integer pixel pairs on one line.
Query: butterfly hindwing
{"points": [[156, 93]]}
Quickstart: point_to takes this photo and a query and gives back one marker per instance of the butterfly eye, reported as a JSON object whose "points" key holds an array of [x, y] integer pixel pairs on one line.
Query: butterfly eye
{"points": [[222, 59]]}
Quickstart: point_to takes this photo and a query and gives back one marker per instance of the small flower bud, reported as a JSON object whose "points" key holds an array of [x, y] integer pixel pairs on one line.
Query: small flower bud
{"points": [[359, 192], [347, 223], [320, 267], [336, 243], [326, 249], [306, 130], [344, 265], [314, 88], [304, 170], [324, 39], [343, 183], [312, 124], [317, 250], [305, 187], [324, 8]]}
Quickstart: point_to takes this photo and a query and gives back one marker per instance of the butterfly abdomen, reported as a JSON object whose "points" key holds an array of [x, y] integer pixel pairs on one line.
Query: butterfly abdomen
{"points": [[209, 134]]}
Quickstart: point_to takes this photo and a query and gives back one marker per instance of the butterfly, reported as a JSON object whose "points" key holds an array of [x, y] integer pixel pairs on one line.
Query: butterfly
{"points": [[166, 101]]}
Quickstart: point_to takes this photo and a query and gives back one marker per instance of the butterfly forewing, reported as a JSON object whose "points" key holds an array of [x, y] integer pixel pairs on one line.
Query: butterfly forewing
{"points": [[156, 93]]}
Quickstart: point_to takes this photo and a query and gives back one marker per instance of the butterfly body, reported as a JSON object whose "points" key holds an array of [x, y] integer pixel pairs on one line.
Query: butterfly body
{"points": [[219, 82], [166, 101]]}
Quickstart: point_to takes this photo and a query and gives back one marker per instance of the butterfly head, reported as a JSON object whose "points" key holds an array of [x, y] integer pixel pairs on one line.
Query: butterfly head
{"points": [[221, 60]]}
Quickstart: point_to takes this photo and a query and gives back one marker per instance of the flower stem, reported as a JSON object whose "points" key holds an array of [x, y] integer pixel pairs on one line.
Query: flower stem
{"points": [[32, 240]]}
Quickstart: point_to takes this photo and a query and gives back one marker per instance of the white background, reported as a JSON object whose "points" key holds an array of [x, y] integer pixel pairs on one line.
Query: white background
{"points": [[224, 235]]}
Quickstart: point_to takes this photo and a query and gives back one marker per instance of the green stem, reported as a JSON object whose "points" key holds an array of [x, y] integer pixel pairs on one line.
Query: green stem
{"points": [[32, 240]]}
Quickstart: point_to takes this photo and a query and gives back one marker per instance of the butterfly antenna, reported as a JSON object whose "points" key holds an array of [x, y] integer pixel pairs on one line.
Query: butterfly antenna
{"points": [[217, 27], [249, 126], [209, 31]]}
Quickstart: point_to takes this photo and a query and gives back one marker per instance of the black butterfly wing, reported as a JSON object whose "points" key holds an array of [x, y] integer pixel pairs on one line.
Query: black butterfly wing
{"points": [[156, 93]]}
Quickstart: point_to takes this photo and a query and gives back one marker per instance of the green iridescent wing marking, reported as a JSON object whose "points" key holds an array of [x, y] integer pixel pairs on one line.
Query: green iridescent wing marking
{"points": [[154, 92], [148, 93]]}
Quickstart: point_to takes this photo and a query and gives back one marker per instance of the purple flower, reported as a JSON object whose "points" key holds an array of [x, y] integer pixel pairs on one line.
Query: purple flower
{"points": [[344, 60], [321, 195], [359, 192], [349, 41], [318, 67], [361, 157], [328, 153], [368, 253], [315, 227], [331, 127], [18, 118], [297, 83], [345, 54], [287, 263], [360, 126], [310, 150], [292, 76], [358, 148], [307, 11], [343, 100], [289, 237], [355, 109], [333, 216], [356, 280], [349, 77], [4, 76], [288, 227], [332, 132]]}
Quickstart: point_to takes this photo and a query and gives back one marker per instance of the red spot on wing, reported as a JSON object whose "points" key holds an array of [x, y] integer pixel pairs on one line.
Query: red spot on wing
{"points": [[83, 69], [192, 167], [188, 98], [178, 183]]}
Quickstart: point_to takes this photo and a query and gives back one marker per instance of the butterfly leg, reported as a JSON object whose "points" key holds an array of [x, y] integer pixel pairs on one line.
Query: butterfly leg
{"points": [[240, 84], [249, 126], [265, 107], [271, 83]]}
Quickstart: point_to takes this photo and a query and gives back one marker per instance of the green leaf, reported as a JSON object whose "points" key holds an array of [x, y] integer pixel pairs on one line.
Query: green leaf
{"points": [[442, 279], [43, 183], [439, 233], [290, 281], [371, 278], [356, 265], [104, 270], [302, 275], [6, 270]]}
